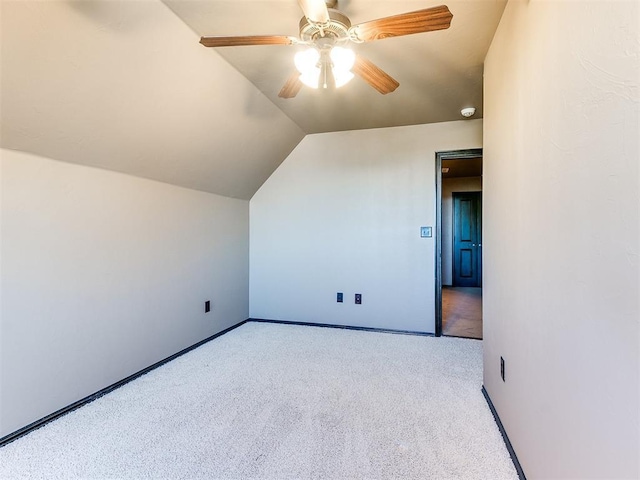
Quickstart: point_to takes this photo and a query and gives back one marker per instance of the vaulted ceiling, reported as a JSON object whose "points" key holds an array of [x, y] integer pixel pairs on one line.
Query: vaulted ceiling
{"points": [[124, 85]]}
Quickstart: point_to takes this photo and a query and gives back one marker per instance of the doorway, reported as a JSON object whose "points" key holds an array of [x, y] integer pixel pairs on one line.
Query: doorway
{"points": [[459, 243]]}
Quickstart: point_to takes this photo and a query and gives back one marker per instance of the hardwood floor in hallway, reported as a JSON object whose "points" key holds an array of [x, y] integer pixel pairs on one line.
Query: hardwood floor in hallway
{"points": [[462, 312]]}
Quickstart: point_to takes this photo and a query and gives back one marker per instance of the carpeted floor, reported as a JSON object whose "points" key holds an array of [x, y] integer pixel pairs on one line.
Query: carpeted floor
{"points": [[462, 312], [279, 401]]}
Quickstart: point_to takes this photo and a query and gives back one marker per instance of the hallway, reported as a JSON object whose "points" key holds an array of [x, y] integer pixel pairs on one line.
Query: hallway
{"points": [[462, 312]]}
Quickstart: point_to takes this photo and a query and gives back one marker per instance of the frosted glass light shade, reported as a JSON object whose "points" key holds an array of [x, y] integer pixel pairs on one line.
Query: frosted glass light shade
{"points": [[311, 77], [342, 77], [342, 58], [307, 60]]}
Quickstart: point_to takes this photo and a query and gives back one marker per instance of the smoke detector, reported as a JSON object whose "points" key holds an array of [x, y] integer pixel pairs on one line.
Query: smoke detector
{"points": [[468, 112]]}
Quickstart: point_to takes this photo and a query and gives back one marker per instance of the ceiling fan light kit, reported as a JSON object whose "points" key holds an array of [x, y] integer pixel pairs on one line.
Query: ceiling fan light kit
{"points": [[326, 63], [325, 68]]}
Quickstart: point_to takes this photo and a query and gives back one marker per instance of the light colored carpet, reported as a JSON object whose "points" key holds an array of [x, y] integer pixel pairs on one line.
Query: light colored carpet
{"points": [[462, 312], [279, 401]]}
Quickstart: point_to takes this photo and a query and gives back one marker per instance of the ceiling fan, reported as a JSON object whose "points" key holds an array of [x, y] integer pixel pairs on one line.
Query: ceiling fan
{"points": [[326, 63]]}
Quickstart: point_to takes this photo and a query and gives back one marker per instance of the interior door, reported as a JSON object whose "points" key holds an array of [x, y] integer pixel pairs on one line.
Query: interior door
{"points": [[467, 239]]}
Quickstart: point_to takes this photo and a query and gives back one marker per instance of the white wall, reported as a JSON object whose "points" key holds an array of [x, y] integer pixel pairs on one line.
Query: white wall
{"points": [[449, 186], [561, 235], [104, 274], [343, 214]]}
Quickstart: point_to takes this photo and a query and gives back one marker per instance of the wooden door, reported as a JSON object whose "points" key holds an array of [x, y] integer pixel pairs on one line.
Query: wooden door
{"points": [[467, 239]]}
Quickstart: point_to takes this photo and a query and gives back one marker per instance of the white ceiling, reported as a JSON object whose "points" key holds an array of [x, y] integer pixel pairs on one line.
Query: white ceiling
{"points": [[439, 72], [124, 85]]}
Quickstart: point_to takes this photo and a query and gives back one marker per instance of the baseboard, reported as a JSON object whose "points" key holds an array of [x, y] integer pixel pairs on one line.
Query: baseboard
{"points": [[445, 335], [94, 396], [505, 437], [343, 327]]}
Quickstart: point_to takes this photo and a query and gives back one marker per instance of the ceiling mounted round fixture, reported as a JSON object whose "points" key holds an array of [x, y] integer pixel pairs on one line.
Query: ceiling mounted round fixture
{"points": [[468, 112]]}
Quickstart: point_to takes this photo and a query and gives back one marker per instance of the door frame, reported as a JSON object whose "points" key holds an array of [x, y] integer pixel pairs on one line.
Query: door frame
{"points": [[440, 156]]}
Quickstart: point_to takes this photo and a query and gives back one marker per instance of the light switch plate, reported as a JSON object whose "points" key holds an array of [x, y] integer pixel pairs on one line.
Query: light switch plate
{"points": [[426, 232]]}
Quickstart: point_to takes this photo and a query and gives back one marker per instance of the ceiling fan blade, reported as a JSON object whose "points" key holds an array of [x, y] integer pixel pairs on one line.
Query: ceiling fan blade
{"points": [[315, 10], [247, 40], [374, 75], [291, 87], [427, 20]]}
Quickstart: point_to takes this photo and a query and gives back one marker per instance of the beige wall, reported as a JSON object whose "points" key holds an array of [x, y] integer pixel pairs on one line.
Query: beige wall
{"points": [[561, 236], [343, 214], [449, 186], [104, 274]]}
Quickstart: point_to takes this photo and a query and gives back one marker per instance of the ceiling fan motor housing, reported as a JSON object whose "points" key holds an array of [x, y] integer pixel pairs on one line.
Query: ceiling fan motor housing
{"points": [[337, 28]]}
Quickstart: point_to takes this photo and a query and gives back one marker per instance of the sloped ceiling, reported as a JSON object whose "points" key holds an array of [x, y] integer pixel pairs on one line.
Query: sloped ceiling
{"points": [[125, 86], [439, 72]]}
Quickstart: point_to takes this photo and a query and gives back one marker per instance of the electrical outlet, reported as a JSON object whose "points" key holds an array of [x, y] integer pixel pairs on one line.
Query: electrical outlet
{"points": [[207, 306], [502, 368], [339, 297], [358, 298]]}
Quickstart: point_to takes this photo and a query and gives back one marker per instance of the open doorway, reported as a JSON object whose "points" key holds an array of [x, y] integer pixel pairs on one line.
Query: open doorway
{"points": [[459, 243]]}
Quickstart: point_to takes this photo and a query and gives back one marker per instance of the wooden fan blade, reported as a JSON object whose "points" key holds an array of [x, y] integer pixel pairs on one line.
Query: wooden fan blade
{"points": [[291, 87], [315, 10], [427, 20], [374, 76], [247, 40]]}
